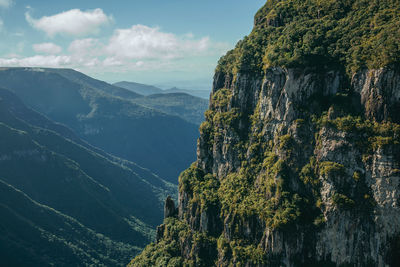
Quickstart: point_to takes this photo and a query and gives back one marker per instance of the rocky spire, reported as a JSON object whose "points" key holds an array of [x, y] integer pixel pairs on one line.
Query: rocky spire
{"points": [[169, 207]]}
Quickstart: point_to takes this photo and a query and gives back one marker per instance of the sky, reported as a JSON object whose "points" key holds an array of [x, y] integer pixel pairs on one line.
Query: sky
{"points": [[159, 42]]}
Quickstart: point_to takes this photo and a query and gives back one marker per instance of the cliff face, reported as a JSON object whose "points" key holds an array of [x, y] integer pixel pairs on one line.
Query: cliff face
{"points": [[298, 165], [345, 168]]}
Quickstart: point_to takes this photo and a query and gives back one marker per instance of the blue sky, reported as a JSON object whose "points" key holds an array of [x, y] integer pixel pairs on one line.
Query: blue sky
{"points": [[163, 42]]}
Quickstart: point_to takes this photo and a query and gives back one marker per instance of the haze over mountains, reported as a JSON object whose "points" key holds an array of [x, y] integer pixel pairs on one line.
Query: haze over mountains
{"points": [[112, 118], [140, 88], [146, 90], [188, 107], [75, 205], [85, 166]]}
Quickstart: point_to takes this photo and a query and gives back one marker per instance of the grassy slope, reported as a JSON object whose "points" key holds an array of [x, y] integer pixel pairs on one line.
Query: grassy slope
{"points": [[139, 88], [32, 234], [189, 108], [99, 192], [160, 142]]}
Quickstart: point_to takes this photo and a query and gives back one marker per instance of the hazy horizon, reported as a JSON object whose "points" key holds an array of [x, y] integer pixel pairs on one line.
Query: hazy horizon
{"points": [[153, 42]]}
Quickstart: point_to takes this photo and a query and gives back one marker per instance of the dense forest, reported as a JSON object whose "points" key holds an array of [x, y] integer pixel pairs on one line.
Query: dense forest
{"points": [[298, 159]]}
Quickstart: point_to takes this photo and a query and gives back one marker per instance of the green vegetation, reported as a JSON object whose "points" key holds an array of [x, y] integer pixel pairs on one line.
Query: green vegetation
{"points": [[244, 253], [237, 193], [109, 117], [166, 252], [221, 115], [33, 234], [189, 108], [356, 176], [368, 135], [221, 99], [283, 165], [263, 187], [342, 201], [296, 33], [219, 118], [63, 202], [328, 169], [286, 143], [203, 188], [308, 173], [147, 90], [139, 88]]}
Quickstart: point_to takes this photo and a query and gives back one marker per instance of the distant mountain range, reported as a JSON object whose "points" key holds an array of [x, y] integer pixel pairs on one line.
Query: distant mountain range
{"points": [[146, 90], [188, 107], [64, 202], [85, 166], [139, 88], [157, 135]]}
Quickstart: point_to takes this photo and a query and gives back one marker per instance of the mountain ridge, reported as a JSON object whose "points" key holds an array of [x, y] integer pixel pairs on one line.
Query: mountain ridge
{"points": [[188, 107], [148, 90], [139, 88], [98, 117], [22, 226], [97, 191]]}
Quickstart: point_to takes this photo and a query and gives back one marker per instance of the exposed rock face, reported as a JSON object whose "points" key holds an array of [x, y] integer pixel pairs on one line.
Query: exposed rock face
{"points": [[296, 166], [169, 207], [355, 218], [380, 93]]}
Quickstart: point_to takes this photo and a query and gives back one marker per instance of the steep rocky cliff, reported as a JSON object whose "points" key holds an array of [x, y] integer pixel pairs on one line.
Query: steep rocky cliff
{"points": [[298, 162]]}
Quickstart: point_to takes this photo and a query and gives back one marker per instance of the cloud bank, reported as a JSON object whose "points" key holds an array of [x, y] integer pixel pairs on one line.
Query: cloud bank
{"points": [[6, 3], [37, 61], [138, 48], [141, 42], [72, 23], [47, 48]]}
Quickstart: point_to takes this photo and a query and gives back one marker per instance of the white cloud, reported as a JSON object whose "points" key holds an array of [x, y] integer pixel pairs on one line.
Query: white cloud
{"points": [[111, 62], [1, 24], [139, 48], [141, 42], [36, 61], [47, 48], [86, 47], [73, 22], [6, 3]]}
